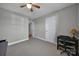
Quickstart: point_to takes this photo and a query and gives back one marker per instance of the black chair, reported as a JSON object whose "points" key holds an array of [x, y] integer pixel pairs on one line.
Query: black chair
{"points": [[3, 47]]}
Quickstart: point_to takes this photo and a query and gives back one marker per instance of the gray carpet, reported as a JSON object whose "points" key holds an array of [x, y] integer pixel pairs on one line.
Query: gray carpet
{"points": [[33, 47]]}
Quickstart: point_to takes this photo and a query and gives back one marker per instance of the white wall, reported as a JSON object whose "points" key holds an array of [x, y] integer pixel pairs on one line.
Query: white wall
{"points": [[13, 27], [78, 16], [66, 20], [33, 29]]}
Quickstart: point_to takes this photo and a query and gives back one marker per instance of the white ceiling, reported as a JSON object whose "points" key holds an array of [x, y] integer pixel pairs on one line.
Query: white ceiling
{"points": [[45, 8]]}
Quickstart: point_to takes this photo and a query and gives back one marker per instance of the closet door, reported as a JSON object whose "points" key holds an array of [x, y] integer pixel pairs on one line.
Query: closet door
{"points": [[51, 23]]}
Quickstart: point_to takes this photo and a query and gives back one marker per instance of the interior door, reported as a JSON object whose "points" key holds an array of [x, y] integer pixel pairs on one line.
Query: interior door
{"points": [[51, 23]]}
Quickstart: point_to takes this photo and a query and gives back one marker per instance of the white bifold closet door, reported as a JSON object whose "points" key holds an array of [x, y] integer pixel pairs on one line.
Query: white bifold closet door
{"points": [[51, 24]]}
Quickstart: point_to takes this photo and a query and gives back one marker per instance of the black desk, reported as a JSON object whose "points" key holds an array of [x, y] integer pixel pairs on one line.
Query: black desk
{"points": [[69, 44]]}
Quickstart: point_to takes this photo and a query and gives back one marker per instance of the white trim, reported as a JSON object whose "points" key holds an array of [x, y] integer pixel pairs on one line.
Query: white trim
{"points": [[39, 38], [19, 41], [45, 40]]}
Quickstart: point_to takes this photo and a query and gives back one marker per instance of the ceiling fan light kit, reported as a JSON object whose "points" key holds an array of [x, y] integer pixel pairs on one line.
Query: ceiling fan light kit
{"points": [[30, 6]]}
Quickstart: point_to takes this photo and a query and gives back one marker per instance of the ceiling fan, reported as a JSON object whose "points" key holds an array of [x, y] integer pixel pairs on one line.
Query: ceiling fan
{"points": [[30, 6]]}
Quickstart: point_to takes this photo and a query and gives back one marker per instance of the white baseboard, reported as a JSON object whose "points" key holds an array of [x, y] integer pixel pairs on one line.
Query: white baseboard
{"points": [[39, 38], [19, 41], [45, 40]]}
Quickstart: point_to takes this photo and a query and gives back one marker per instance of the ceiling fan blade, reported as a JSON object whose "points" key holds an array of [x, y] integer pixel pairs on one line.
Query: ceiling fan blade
{"points": [[23, 6], [37, 6], [31, 10]]}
